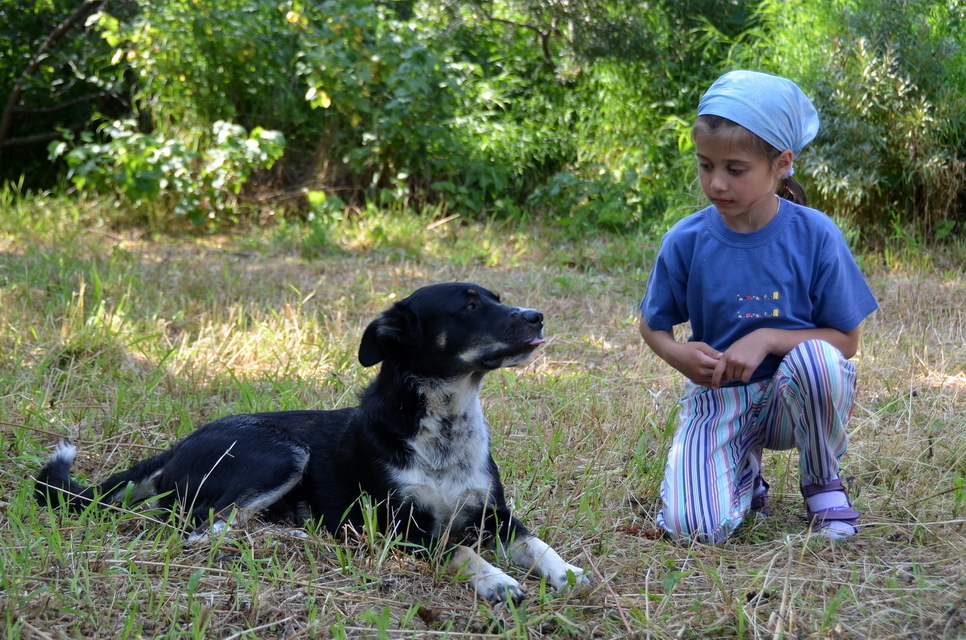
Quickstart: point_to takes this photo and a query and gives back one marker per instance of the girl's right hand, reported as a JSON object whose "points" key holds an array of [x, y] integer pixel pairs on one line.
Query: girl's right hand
{"points": [[696, 360]]}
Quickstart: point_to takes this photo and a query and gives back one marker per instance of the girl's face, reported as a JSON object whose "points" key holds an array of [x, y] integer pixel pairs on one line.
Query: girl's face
{"points": [[740, 183]]}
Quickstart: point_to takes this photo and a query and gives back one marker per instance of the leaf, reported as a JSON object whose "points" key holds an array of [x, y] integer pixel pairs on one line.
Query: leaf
{"points": [[672, 579]]}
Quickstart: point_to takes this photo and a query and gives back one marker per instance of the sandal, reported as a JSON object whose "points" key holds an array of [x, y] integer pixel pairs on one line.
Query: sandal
{"points": [[759, 499], [827, 522]]}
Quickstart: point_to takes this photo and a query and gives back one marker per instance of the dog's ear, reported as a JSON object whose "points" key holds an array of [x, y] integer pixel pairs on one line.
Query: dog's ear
{"points": [[395, 329]]}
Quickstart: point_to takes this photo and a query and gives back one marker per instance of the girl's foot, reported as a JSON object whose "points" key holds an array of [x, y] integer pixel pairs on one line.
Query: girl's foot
{"points": [[759, 497], [830, 513]]}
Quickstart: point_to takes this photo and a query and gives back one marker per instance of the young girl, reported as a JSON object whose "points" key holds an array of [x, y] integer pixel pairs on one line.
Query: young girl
{"points": [[775, 300]]}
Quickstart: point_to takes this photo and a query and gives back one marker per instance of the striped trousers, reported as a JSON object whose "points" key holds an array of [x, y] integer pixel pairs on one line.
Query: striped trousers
{"points": [[716, 449]]}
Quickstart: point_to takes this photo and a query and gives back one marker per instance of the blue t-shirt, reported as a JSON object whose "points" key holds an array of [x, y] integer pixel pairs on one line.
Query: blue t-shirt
{"points": [[795, 273]]}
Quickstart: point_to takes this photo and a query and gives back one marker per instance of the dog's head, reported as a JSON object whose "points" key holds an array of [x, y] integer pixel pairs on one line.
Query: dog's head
{"points": [[452, 329]]}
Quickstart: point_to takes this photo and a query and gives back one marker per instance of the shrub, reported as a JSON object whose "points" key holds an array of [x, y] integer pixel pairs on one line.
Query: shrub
{"points": [[889, 81], [141, 167]]}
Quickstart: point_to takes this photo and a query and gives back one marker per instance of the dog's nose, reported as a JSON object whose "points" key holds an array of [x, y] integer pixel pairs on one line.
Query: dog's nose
{"points": [[532, 316]]}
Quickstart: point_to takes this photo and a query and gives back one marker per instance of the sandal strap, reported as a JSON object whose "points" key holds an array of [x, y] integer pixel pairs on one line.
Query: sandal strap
{"points": [[847, 515], [818, 519], [810, 490], [759, 501]]}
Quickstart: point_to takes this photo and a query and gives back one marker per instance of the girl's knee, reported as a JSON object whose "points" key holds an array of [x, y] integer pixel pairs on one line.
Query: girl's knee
{"points": [[819, 350], [818, 364]]}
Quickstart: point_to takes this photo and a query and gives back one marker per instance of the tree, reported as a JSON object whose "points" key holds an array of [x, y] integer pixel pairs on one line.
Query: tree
{"points": [[55, 75]]}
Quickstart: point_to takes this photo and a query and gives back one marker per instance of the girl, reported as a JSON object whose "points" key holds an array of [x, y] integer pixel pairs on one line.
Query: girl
{"points": [[775, 300]]}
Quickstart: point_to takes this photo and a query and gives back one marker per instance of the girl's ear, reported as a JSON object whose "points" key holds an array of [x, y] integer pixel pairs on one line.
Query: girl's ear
{"points": [[784, 162]]}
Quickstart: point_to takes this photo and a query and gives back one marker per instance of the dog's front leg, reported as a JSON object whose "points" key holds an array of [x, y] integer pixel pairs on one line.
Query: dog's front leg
{"points": [[488, 581], [533, 554]]}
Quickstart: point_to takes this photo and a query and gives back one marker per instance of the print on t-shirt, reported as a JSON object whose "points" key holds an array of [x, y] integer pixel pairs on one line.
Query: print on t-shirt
{"points": [[758, 306]]}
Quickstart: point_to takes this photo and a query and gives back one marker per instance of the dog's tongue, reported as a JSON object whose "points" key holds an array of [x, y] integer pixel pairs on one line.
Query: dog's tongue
{"points": [[537, 341]]}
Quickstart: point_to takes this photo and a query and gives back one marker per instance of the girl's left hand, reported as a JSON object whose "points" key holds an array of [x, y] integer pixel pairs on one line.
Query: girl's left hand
{"points": [[742, 358]]}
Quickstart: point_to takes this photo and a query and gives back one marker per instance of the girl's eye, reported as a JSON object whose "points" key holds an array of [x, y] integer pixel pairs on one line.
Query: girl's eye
{"points": [[736, 172]]}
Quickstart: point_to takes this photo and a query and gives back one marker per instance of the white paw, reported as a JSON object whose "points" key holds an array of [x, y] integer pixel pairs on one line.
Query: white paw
{"points": [[499, 587], [489, 582], [285, 532], [203, 535], [537, 556], [197, 537], [568, 575]]}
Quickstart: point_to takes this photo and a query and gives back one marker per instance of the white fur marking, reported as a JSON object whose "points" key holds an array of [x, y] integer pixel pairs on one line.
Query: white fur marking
{"points": [[144, 490], [64, 452], [488, 581], [533, 554], [451, 452]]}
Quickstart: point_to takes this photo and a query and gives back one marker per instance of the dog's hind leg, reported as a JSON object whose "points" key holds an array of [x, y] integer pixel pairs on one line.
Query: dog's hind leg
{"points": [[236, 507]]}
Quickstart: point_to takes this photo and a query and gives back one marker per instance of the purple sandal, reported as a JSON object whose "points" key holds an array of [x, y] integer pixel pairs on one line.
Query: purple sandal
{"points": [[759, 499], [820, 521]]}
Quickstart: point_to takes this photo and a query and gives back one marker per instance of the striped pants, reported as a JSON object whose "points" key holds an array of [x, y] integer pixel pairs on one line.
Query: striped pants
{"points": [[716, 449]]}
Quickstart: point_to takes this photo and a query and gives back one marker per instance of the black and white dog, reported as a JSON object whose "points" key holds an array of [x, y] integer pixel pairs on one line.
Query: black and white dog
{"points": [[417, 445]]}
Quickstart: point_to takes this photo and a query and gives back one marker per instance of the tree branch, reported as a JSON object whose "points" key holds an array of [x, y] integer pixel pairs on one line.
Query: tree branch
{"points": [[543, 35], [39, 138], [69, 103]]}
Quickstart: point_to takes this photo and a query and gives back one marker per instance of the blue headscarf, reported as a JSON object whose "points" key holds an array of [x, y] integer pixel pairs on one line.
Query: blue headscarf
{"points": [[771, 107]]}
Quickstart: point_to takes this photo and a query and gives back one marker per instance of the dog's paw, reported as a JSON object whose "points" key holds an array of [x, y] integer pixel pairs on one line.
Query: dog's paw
{"points": [[568, 576], [203, 535], [499, 587]]}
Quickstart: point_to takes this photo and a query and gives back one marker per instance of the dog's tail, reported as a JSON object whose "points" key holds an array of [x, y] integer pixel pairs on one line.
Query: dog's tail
{"points": [[54, 485]]}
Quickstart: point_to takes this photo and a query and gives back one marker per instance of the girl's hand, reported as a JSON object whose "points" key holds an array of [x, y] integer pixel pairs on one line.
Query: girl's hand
{"points": [[698, 361], [739, 362], [705, 366]]}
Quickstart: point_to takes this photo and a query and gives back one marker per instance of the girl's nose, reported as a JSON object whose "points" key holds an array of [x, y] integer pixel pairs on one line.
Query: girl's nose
{"points": [[718, 181]]}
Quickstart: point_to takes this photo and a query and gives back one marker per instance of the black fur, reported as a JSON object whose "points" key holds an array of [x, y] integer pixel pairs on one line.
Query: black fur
{"points": [[417, 444]]}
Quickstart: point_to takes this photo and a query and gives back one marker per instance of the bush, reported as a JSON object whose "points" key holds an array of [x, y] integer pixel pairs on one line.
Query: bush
{"points": [[141, 167], [889, 81]]}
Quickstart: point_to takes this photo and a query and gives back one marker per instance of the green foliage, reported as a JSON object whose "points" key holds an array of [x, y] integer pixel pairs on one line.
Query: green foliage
{"points": [[72, 81], [576, 111], [889, 82], [601, 202], [200, 62], [386, 95], [141, 167]]}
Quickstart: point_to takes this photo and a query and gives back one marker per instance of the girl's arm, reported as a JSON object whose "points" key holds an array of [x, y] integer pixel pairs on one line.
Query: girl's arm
{"points": [[702, 364], [741, 359], [696, 360]]}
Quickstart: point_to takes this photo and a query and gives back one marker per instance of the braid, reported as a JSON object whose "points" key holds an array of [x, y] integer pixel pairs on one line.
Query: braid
{"points": [[790, 189]]}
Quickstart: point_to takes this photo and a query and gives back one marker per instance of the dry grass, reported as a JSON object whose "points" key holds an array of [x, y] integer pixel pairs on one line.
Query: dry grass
{"points": [[127, 344]]}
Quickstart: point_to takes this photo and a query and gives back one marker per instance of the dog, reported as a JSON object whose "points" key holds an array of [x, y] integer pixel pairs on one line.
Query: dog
{"points": [[417, 445]]}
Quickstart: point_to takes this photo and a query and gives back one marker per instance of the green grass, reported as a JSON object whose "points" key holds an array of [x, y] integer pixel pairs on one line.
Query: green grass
{"points": [[127, 341]]}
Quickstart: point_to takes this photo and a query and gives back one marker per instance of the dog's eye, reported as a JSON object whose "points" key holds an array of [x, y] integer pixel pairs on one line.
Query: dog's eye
{"points": [[470, 306]]}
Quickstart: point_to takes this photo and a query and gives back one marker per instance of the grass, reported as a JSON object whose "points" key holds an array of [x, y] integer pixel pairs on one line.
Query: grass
{"points": [[126, 342]]}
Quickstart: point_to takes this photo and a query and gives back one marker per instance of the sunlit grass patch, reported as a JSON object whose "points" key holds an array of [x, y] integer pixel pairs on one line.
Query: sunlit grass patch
{"points": [[126, 342]]}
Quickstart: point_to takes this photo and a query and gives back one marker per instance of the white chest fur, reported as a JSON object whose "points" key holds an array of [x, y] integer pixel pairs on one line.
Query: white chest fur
{"points": [[451, 452]]}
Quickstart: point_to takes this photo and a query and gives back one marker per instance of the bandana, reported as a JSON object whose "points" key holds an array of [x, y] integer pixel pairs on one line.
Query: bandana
{"points": [[771, 107]]}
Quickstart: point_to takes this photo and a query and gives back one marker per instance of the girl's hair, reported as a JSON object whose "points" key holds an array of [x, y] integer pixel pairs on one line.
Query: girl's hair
{"points": [[718, 128]]}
